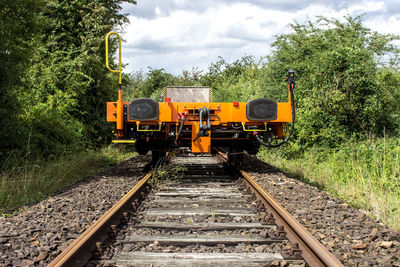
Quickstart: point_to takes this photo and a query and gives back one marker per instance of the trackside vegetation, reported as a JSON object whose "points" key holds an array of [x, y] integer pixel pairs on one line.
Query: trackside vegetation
{"points": [[363, 173], [54, 87], [53, 80], [35, 180]]}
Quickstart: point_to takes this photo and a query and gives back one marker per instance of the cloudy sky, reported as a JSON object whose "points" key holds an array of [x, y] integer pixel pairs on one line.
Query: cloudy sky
{"points": [[180, 34]]}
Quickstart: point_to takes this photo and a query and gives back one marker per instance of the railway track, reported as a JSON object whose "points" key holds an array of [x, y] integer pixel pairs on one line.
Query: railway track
{"points": [[209, 217]]}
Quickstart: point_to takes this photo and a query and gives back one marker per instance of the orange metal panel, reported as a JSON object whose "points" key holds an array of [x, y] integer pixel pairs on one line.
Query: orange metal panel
{"points": [[111, 111], [202, 144], [120, 120], [284, 113]]}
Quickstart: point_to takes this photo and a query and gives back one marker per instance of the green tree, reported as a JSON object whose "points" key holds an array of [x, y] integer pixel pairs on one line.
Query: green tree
{"points": [[69, 84], [54, 84], [337, 91], [156, 80], [240, 80], [20, 22]]}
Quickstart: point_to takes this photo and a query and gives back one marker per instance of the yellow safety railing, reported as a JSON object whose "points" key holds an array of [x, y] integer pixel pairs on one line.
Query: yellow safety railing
{"points": [[121, 141], [119, 56], [254, 130], [152, 130]]}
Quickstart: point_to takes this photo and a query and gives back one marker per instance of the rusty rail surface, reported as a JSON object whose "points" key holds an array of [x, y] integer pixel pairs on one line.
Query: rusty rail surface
{"points": [[78, 252], [312, 251]]}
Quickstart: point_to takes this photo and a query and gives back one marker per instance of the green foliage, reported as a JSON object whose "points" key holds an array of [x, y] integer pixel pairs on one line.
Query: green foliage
{"points": [[379, 160], [20, 21], [388, 80], [54, 84], [38, 179], [338, 92], [156, 81], [237, 81], [167, 174], [153, 82]]}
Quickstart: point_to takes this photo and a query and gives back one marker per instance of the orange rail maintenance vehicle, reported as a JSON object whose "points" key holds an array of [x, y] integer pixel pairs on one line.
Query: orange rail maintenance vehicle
{"points": [[187, 118]]}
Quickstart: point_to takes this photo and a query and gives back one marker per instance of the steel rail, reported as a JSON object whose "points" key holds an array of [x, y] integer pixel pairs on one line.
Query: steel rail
{"points": [[79, 251], [312, 251]]}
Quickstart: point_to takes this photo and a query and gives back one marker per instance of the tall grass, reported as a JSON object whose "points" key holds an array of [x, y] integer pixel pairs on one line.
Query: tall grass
{"points": [[31, 180], [365, 174]]}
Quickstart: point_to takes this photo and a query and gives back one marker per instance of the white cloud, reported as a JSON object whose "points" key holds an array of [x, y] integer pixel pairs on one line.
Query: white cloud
{"points": [[184, 35], [157, 11]]}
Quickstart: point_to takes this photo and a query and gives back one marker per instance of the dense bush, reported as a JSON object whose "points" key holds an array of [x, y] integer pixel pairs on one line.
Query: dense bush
{"points": [[342, 89], [54, 84]]}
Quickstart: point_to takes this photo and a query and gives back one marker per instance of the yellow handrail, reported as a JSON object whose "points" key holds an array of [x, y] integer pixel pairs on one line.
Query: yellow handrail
{"points": [[254, 130], [119, 63], [155, 130]]}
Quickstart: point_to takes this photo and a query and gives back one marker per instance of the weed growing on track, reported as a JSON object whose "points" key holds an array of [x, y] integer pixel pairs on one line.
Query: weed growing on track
{"points": [[35, 180], [167, 173], [365, 174]]}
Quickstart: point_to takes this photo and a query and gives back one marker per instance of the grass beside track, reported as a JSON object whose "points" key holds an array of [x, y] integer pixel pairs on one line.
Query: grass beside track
{"points": [[365, 174], [35, 180]]}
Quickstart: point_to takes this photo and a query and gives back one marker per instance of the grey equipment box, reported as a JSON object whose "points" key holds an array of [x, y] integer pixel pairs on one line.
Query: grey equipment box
{"points": [[188, 93]]}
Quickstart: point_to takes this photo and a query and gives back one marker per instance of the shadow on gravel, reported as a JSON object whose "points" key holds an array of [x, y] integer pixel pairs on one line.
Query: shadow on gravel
{"points": [[255, 165]]}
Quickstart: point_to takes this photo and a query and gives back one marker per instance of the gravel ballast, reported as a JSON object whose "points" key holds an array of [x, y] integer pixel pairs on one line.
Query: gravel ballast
{"points": [[352, 236], [39, 232]]}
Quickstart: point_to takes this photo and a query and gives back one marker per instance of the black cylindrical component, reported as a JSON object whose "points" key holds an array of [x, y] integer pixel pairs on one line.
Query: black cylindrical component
{"points": [[180, 129], [291, 81]]}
